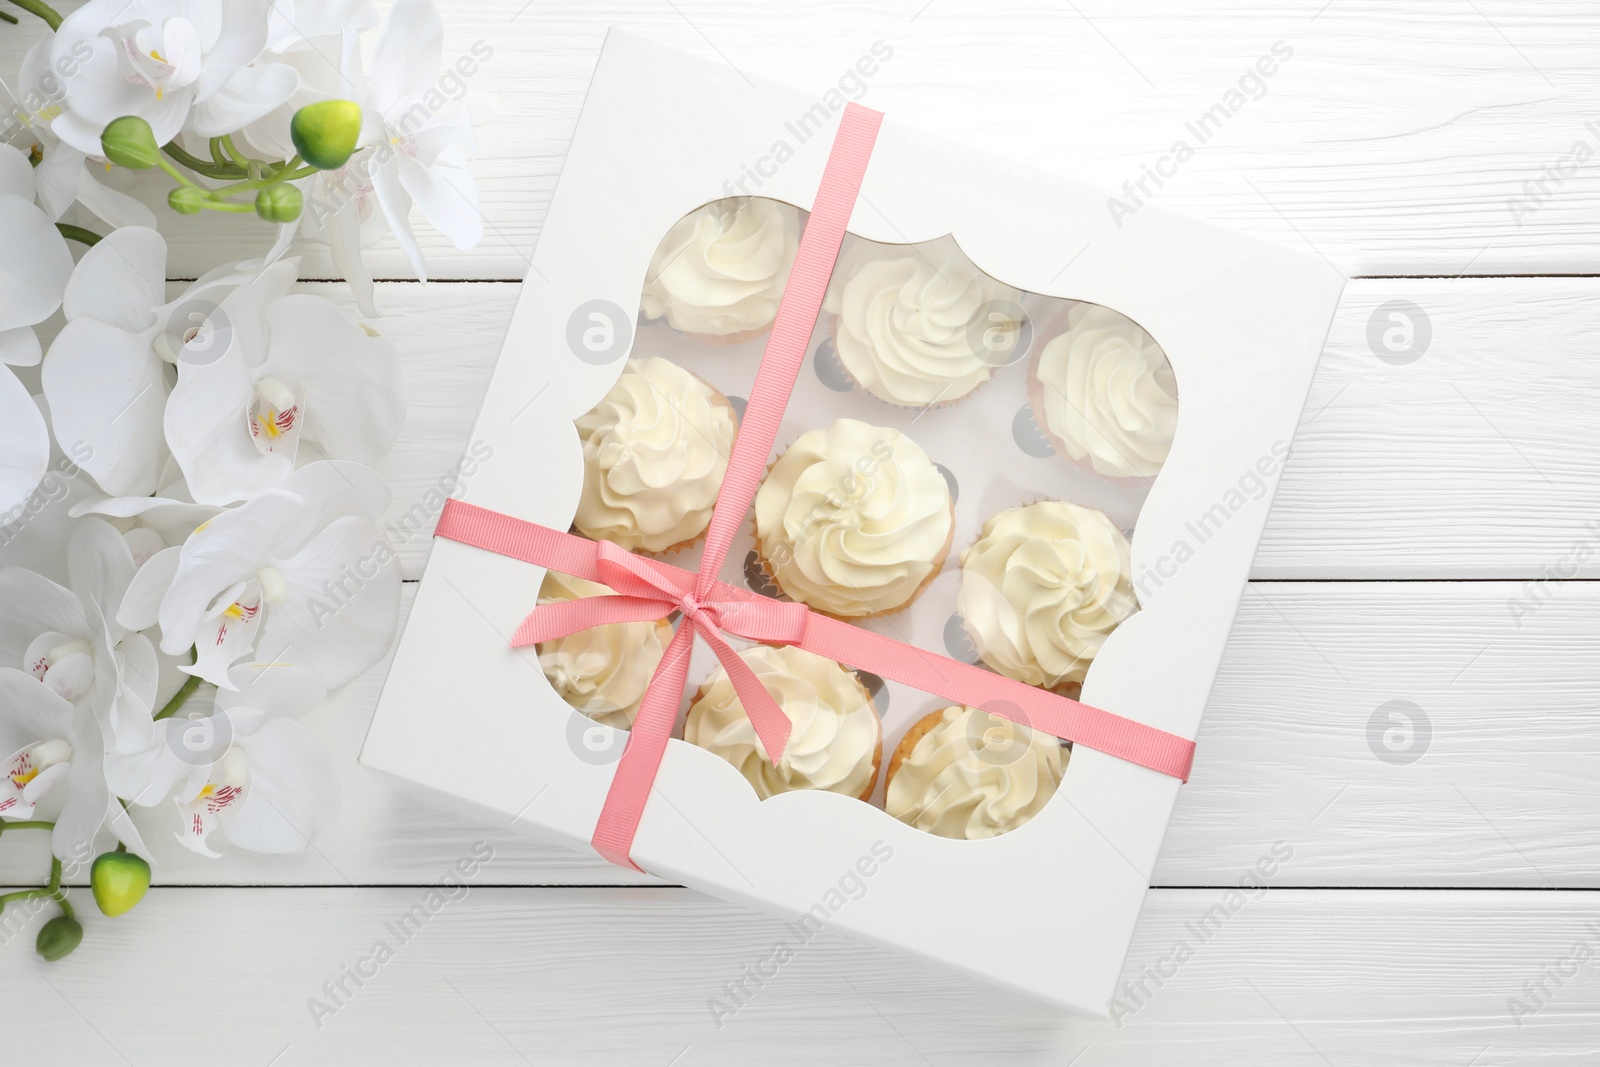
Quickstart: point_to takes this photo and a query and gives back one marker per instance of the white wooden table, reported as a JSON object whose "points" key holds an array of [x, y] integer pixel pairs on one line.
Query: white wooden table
{"points": [[1425, 899]]}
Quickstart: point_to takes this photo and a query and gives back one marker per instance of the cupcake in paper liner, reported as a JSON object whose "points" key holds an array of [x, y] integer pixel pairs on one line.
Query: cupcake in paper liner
{"points": [[655, 451], [1042, 588], [919, 326], [1104, 394], [966, 774], [603, 671], [836, 739], [719, 273], [853, 520]]}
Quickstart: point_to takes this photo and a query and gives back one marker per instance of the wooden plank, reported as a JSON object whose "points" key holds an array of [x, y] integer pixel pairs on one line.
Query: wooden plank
{"points": [[510, 976], [1503, 723], [1385, 154]]}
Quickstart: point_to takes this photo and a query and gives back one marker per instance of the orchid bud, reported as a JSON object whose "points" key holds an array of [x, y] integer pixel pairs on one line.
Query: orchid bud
{"points": [[129, 142], [325, 133], [118, 881], [186, 200], [58, 937], [279, 203]]}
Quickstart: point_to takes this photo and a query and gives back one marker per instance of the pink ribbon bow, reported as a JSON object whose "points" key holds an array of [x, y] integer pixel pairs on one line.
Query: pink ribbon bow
{"points": [[648, 590]]}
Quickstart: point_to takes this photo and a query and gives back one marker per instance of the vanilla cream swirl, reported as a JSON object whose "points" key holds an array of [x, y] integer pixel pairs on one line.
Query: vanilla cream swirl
{"points": [[918, 325], [1042, 588], [654, 453], [974, 775], [853, 519], [835, 738], [602, 671], [722, 268], [1108, 393]]}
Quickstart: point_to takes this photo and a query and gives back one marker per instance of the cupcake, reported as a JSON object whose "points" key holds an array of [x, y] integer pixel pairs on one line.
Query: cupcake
{"points": [[966, 774], [721, 269], [836, 742], [602, 671], [1105, 395], [654, 453], [920, 325], [1041, 589], [853, 520]]}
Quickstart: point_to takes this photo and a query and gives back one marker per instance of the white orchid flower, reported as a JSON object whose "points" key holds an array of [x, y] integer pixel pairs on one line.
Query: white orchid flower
{"points": [[421, 155], [412, 152], [33, 275], [178, 64], [49, 744], [105, 383], [293, 368], [246, 767], [34, 532], [68, 637], [65, 175], [300, 573]]}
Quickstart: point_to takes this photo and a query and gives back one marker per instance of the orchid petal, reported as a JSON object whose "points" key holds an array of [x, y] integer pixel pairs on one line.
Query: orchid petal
{"points": [[106, 390], [409, 52], [280, 690], [447, 195], [340, 634], [36, 266], [247, 95], [24, 443], [16, 173], [293, 793], [20, 347], [351, 378], [141, 603], [120, 280]]}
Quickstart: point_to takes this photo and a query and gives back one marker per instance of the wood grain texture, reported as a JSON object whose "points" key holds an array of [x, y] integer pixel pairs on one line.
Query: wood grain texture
{"points": [[1392, 141], [1502, 792], [624, 976]]}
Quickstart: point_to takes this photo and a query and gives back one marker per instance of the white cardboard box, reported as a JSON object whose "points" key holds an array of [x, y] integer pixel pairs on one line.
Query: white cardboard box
{"points": [[1048, 909]]}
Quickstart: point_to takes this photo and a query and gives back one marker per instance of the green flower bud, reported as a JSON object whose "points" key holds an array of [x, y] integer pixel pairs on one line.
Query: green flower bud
{"points": [[58, 937], [129, 142], [325, 133], [186, 200], [118, 881], [279, 203]]}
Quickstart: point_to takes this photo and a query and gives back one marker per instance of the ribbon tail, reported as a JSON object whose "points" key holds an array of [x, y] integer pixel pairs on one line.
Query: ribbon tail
{"points": [[772, 726], [647, 742], [547, 622]]}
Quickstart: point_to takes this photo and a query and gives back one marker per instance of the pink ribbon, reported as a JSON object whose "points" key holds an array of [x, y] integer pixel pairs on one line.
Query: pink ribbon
{"points": [[649, 590]]}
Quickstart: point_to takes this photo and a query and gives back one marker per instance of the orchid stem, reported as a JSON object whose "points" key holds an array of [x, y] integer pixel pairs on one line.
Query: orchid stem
{"points": [[37, 7], [185, 691], [78, 233], [201, 166], [53, 890], [231, 152], [9, 17], [286, 173]]}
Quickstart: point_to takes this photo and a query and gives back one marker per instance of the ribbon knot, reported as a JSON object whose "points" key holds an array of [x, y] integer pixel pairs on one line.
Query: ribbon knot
{"points": [[647, 591]]}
